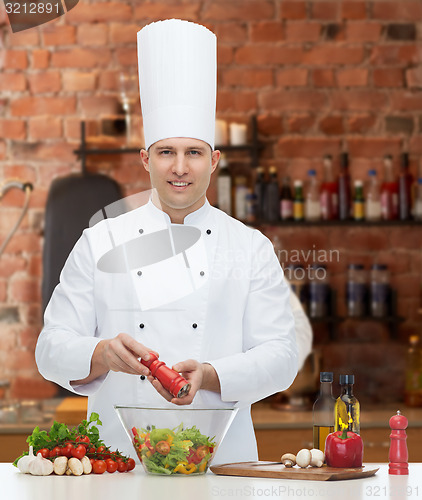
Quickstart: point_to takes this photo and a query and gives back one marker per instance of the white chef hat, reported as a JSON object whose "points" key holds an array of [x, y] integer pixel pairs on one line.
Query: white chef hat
{"points": [[177, 79]]}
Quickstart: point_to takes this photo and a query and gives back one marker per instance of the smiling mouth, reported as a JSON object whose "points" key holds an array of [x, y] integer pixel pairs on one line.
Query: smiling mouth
{"points": [[179, 183]]}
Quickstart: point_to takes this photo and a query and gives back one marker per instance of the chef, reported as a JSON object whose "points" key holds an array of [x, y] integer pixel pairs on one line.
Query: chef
{"points": [[175, 275]]}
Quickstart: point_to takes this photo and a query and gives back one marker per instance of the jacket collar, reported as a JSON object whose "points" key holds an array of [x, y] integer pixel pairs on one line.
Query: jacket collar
{"points": [[193, 219]]}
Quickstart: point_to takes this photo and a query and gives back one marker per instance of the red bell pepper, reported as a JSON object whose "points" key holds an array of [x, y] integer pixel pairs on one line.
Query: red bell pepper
{"points": [[344, 449]]}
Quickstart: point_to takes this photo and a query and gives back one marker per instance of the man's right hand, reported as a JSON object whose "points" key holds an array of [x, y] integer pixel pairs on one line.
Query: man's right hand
{"points": [[119, 354]]}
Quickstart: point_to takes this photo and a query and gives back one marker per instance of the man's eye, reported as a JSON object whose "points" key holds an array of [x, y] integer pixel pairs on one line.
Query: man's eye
{"points": [[194, 152], [165, 152]]}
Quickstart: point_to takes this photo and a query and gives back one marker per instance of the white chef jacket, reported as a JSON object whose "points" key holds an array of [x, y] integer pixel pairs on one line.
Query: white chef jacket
{"points": [[240, 321]]}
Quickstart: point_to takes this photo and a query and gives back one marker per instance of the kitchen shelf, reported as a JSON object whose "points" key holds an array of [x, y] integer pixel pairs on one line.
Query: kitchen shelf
{"points": [[332, 320], [83, 151], [335, 223]]}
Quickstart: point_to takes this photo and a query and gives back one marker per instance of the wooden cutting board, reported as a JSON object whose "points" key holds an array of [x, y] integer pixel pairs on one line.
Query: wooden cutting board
{"points": [[278, 471]]}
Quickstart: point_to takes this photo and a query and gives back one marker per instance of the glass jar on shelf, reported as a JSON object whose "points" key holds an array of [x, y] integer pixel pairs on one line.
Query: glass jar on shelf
{"points": [[380, 291], [356, 291], [319, 291]]}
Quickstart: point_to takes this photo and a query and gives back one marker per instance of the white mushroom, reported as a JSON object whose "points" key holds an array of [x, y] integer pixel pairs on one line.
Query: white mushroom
{"points": [[303, 458], [288, 460], [86, 464], [60, 465], [317, 457], [75, 466]]}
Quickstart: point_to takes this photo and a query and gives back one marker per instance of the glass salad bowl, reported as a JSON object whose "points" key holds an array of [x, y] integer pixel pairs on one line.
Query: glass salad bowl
{"points": [[175, 441]]}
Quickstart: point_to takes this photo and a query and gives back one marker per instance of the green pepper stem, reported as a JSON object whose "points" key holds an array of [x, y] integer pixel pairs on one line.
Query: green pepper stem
{"points": [[344, 433]]}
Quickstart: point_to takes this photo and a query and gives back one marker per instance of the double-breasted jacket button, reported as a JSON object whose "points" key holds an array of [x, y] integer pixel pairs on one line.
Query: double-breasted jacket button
{"points": [[142, 377], [141, 325], [139, 273], [194, 325], [141, 231], [202, 273], [208, 231]]}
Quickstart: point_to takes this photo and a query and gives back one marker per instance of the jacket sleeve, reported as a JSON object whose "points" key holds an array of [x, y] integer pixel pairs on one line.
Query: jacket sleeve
{"points": [[67, 340], [268, 363]]}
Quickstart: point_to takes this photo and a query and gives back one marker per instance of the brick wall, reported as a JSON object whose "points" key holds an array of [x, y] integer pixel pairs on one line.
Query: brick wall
{"points": [[322, 76]]}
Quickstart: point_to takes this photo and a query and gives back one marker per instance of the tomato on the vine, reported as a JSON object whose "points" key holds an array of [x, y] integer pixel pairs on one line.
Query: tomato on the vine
{"points": [[130, 464], [111, 465], [79, 451], [121, 466], [45, 452], [66, 450], [99, 467], [55, 452], [82, 439]]}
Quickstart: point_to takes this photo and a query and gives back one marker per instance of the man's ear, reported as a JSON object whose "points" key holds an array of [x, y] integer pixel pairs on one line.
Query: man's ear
{"points": [[215, 156], [145, 159]]}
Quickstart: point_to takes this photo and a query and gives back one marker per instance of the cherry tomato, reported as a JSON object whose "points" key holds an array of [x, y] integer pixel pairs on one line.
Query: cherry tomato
{"points": [[79, 451], [92, 460], [82, 439], [92, 450], [130, 464], [45, 452], [111, 465], [192, 457], [66, 451], [101, 452], [162, 447], [99, 467], [55, 452], [121, 466], [202, 451]]}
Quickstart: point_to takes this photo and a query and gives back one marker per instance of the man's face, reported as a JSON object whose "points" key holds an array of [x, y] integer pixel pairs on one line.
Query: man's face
{"points": [[180, 170]]}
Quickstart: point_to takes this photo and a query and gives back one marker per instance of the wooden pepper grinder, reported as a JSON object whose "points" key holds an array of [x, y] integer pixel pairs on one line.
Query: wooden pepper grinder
{"points": [[398, 455]]}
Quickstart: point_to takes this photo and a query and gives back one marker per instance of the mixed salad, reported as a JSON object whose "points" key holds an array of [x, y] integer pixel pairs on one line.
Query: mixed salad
{"points": [[177, 451]]}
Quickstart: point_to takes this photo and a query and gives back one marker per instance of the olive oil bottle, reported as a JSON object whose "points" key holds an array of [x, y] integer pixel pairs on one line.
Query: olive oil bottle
{"points": [[323, 411], [347, 408]]}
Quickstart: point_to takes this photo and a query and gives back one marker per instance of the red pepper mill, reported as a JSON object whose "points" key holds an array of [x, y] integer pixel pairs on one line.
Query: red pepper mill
{"points": [[398, 455], [172, 381]]}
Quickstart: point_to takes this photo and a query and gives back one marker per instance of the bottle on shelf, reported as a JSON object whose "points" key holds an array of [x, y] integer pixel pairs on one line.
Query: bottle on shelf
{"points": [[329, 191], [259, 191], [344, 188], [405, 186], [380, 291], [347, 407], [241, 191], [373, 198], [312, 200], [298, 201], [358, 202], [272, 197], [319, 291], [323, 411], [224, 186], [286, 200], [417, 207], [413, 390], [356, 291], [389, 191]]}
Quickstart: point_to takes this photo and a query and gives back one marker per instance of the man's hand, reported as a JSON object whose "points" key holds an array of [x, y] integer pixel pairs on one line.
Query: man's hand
{"points": [[198, 375], [120, 354]]}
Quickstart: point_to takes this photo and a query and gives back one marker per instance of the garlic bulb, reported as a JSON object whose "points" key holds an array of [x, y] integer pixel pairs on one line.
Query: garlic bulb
{"points": [[40, 466], [23, 463]]}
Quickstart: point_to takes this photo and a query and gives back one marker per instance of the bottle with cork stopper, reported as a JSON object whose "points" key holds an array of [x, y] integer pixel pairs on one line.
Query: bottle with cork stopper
{"points": [[398, 455]]}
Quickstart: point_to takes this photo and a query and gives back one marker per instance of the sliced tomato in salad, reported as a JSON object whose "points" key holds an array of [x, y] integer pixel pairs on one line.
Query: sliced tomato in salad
{"points": [[192, 457], [162, 447]]}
